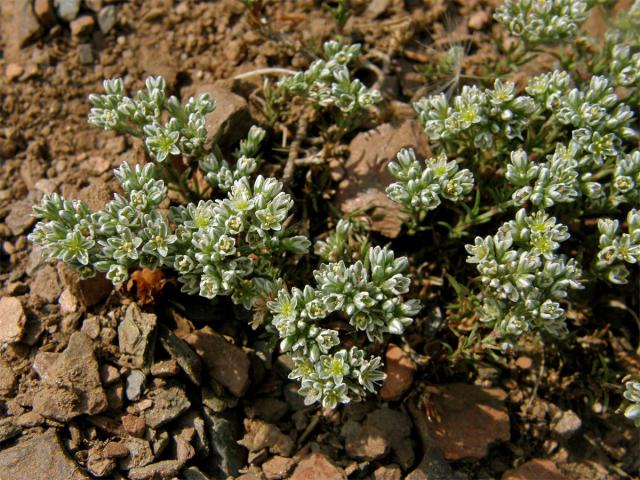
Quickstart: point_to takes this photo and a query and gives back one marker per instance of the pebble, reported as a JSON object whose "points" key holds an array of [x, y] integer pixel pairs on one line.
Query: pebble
{"points": [[261, 435], [44, 11], [168, 403], [134, 425], [182, 353], [7, 379], [536, 469], [12, 320], [135, 334], [82, 25], [85, 53], [13, 71], [135, 384], [317, 467], [115, 450], [400, 369], [227, 457], [366, 443], [94, 5], [68, 9], [277, 468], [107, 19], [225, 362], [25, 24], [20, 218], [163, 469], [166, 368], [567, 425]]}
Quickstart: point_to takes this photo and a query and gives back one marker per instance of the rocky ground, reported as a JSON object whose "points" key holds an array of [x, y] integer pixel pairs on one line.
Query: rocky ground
{"points": [[144, 383]]}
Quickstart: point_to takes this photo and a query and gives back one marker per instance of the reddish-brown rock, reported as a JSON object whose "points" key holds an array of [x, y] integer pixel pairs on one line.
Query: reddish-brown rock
{"points": [[277, 468], [317, 467], [225, 362], [537, 469], [367, 177], [400, 370], [464, 420]]}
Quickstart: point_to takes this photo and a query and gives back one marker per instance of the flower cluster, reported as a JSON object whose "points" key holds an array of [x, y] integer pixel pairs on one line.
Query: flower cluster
{"points": [[539, 22], [229, 246], [617, 249], [342, 242], [524, 277], [184, 133], [632, 397], [369, 294], [420, 186], [222, 247], [327, 83], [558, 180], [626, 179], [476, 117], [221, 175]]}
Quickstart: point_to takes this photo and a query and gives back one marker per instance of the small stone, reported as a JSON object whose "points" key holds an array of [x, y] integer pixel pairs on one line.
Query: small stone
{"points": [[230, 121], [193, 473], [375, 8], [67, 9], [388, 472], [44, 11], [107, 19], [317, 467], [13, 71], [166, 368], [94, 5], [69, 304], [136, 381], [400, 370], [115, 450], [45, 186], [277, 468], [20, 218], [41, 457], [225, 429], [261, 435], [366, 443], [181, 352], [478, 19], [46, 285], [98, 465], [82, 25], [469, 420], [226, 363], [160, 470], [8, 429], [431, 467], [12, 320], [109, 374], [71, 383], [91, 326], [140, 454], [134, 425], [524, 363], [535, 470], [168, 403], [7, 379], [395, 426], [85, 53], [135, 334], [25, 23], [567, 425]]}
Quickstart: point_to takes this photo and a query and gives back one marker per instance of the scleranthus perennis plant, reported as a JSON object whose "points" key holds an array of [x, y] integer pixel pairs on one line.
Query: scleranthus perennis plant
{"points": [[523, 277], [420, 186], [368, 296]]}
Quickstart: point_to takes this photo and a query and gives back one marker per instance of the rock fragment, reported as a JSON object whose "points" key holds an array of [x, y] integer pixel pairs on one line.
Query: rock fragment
{"points": [[25, 23], [82, 26], [227, 457], [317, 467], [182, 353], [535, 470], [46, 285], [277, 468], [140, 454], [8, 429], [44, 11], [395, 426], [12, 320], [567, 424], [136, 381], [168, 403], [107, 18], [71, 383], [225, 362], [135, 336], [20, 217], [165, 469], [67, 9], [400, 369], [364, 442], [134, 425], [7, 379], [469, 420], [367, 176], [39, 458], [12, 71]]}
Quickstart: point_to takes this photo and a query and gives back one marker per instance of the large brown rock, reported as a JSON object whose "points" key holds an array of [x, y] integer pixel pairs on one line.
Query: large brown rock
{"points": [[71, 382], [225, 362], [367, 177], [39, 458], [464, 420]]}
